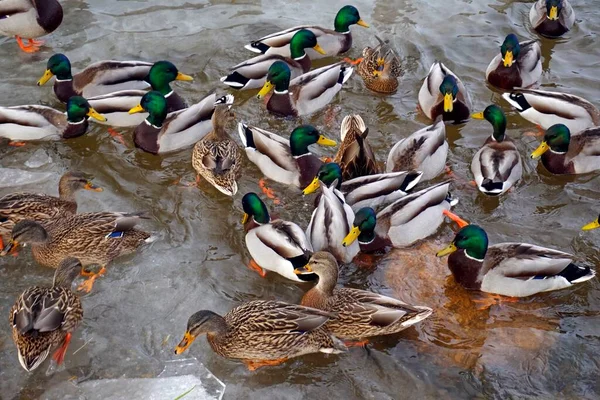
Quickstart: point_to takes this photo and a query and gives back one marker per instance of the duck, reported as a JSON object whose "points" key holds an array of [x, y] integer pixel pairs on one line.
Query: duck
{"points": [[355, 155], [562, 154], [307, 93], [263, 333], [93, 238], [510, 269], [443, 93], [497, 166], [40, 123], [44, 318], [426, 150], [546, 108], [334, 42], [29, 19], [163, 132], [285, 161], [360, 314], [380, 68], [552, 18], [216, 157], [518, 65], [251, 74], [274, 244], [595, 224]]}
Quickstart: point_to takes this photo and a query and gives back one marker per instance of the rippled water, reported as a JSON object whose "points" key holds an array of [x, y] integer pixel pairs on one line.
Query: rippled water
{"points": [[547, 345]]}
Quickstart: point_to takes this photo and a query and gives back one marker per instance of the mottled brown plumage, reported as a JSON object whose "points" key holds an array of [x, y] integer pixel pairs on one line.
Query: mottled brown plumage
{"points": [[355, 155], [380, 68]]}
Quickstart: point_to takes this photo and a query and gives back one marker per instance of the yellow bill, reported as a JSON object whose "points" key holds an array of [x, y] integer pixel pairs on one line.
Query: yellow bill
{"points": [[319, 49], [553, 13], [94, 114], [362, 23], [592, 225], [12, 245], [90, 186], [47, 76], [323, 141], [245, 218], [266, 89], [136, 109], [451, 248], [303, 270], [351, 237], [542, 148], [478, 115], [187, 340], [508, 59], [448, 102], [183, 77], [314, 185]]}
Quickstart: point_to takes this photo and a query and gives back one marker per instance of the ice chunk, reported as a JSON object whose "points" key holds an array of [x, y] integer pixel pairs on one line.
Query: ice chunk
{"points": [[38, 159], [10, 177]]}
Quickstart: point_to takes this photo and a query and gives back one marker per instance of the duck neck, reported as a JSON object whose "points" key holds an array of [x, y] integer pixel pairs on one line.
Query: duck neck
{"points": [[75, 129], [155, 120], [66, 191], [366, 237], [327, 282], [499, 130]]}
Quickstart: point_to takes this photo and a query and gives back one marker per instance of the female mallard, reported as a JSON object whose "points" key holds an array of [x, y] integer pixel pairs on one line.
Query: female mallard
{"points": [[216, 157], [425, 150], [307, 93], [550, 108], [592, 225], [29, 19], [518, 65], [24, 123], [380, 68], [510, 269], [251, 74], [565, 154], [497, 165], [552, 18], [93, 238], [355, 156], [443, 93], [44, 319], [360, 314], [333, 42], [162, 132], [261, 333], [275, 245]]}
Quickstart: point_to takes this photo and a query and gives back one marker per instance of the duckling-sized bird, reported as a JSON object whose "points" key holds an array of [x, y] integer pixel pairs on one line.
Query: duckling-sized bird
{"points": [[497, 166], [333, 42], [552, 18], [443, 93], [251, 74], [518, 65], [33, 122], [274, 245], [510, 269], [307, 93], [546, 108], [29, 19], [355, 155], [263, 333], [380, 68], [592, 225], [44, 318], [216, 157], [565, 154], [360, 314]]}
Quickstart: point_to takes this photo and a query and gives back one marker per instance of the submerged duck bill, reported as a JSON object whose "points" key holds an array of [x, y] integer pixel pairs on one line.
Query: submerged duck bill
{"points": [[319, 49], [351, 237], [187, 340], [97, 116], [542, 148], [91, 186], [508, 59], [592, 225], [362, 23], [266, 89], [451, 248], [245, 218], [136, 109], [183, 77], [303, 270], [45, 78], [12, 245], [323, 141], [314, 185], [478, 115], [448, 102], [553, 13]]}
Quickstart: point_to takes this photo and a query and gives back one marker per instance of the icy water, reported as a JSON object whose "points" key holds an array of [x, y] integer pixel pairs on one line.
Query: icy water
{"points": [[545, 346]]}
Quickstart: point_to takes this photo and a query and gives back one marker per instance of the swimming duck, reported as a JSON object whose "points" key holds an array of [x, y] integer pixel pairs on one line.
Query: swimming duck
{"points": [[380, 68], [216, 157], [305, 94], [552, 18], [333, 42], [510, 269], [251, 74], [360, 314], [518, 65], [44, 318], [262, 333], [546, 108], [565, 154], [29, 19], [33, 122], [497, 165], [443, 93], [592, 225], [355, 156]]}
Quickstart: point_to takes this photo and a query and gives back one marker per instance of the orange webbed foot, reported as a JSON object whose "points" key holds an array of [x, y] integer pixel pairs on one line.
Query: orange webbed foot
{"points": [[89, 283], [117, 136], [352, 343], [254, 365], [490, 299], [17, 144], [252, 265], [353, 62], [270, 193], [459, 221], [31, 47]]}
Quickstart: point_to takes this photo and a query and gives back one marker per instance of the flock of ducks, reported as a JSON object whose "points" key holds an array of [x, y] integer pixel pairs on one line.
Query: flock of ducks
{"points": [[361, 207]]}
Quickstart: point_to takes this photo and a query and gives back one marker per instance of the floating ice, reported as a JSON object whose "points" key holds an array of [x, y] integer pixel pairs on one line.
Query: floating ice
{"points": [[10, 177], [38, 159]]}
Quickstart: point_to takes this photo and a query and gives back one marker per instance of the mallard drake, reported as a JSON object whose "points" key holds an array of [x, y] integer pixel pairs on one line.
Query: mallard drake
{"points": [[355, 156], [552, 18], [333, 42], [563, 154], [497, 165], [380, 68], [285, 161], [29, 19], [274, 245], [44, 318], [443, 93], [546, 108], [216, 157], [360, 314], [261, 332], [161, 132], [33, 122], [510, 269], [251, 74], [592, 225], [425, 150], [305, 94], [93, 238], [518, 65]]}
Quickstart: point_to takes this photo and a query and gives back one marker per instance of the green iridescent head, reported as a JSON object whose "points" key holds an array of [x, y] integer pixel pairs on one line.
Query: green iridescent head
{"points": [[495, 116], [363, 227], [278, 77], [305, 135], [348, 15], [328, 174], [58, 65], [78, 109], [557, 139], [472, 239], [162, 73], [254, 207], [155, 105], [553, 9], [510, 49], [303, 39]]}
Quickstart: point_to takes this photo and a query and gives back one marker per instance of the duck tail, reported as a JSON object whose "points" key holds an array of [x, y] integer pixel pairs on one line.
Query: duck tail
{"points": [[246, 135], [576, 274], [235, 80], [345, 74], [492, 188], [257, 47]]}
